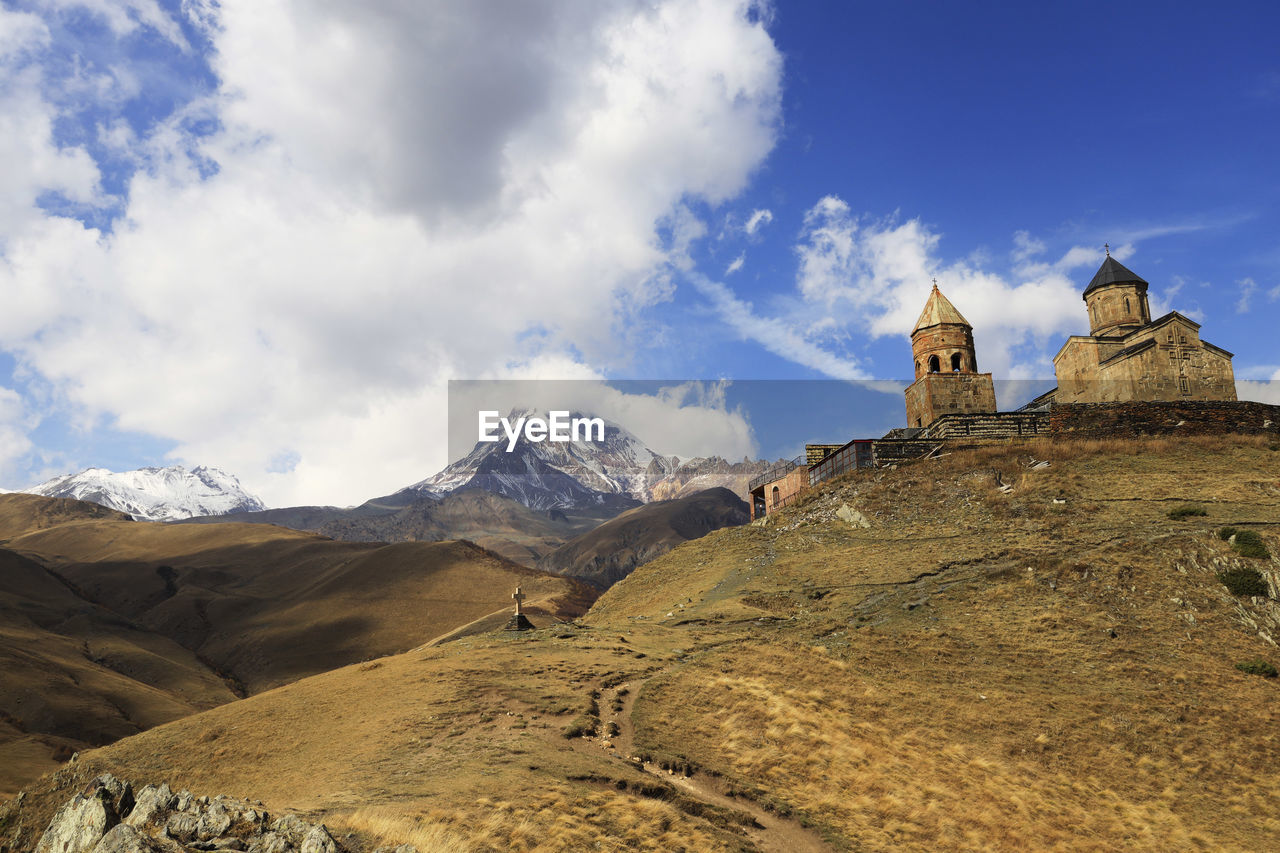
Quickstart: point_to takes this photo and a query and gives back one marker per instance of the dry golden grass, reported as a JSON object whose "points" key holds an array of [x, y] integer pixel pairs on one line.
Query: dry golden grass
{"points": [[1049, 667], [171, 609], [553, 820]]}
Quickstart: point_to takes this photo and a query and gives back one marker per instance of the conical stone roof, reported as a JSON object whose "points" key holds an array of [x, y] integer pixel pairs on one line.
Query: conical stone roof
{"points": [[939, 310]]}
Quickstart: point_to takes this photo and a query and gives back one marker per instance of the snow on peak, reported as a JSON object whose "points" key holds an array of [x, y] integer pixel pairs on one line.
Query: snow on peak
{"points": [[156, 494], [548, 475]]}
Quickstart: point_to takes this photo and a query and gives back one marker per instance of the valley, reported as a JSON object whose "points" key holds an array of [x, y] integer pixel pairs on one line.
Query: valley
{"points": [[111, 626]]}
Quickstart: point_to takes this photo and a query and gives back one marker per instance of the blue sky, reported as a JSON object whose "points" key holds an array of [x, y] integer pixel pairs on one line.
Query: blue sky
{"points": [[264, 236]]}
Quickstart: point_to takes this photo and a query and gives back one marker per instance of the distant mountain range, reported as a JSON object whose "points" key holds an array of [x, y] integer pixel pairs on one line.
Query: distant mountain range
{"points": [[619, 472], [527, 504], [155, 494]]}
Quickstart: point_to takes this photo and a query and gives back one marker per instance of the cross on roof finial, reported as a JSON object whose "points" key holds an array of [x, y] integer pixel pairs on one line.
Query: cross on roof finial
{"points": [[1107, 246], [935, 284]]}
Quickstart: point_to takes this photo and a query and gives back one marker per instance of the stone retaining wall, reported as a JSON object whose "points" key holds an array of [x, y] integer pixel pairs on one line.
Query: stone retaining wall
{"points": [[1125, 420]]}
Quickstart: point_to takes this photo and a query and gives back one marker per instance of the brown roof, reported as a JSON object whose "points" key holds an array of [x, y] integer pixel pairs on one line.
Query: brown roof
{"points": [[938, 310]]}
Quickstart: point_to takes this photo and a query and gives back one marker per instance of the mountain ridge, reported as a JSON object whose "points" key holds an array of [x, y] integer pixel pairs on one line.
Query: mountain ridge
{"points": [[155, 494]]}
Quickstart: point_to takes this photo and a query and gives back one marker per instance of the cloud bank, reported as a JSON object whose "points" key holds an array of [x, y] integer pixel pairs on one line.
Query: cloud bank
{"points": [[367, 200]]}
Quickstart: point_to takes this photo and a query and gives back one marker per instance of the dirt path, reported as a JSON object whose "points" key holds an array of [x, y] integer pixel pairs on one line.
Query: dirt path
{"points": [[769, 832]]}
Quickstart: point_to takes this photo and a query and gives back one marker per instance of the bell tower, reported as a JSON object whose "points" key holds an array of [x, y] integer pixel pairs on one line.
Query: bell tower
{"points": [[1116, 299], [947, 380]]}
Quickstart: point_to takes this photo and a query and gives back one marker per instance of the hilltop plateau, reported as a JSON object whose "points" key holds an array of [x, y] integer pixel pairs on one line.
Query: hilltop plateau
{"points": [[974, 652]]}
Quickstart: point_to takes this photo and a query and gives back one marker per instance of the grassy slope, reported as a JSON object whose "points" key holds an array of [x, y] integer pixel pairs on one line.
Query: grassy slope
{"points": [[974, 670], [606, 554], [108, 626]]}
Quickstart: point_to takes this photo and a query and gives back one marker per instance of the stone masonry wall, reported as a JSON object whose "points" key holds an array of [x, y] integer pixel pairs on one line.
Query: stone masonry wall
{"points": [[937, 394], [995, 425], [1125, 420]]}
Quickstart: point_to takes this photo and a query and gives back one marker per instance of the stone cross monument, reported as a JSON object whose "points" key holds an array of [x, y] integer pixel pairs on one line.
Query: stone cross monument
{"points": [[518, 621]]}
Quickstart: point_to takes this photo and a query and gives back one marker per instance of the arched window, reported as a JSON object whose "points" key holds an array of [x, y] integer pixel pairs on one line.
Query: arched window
{"points": [[934, 365], [777, 495], [1126, 305], [957, 362], [917, 368]]}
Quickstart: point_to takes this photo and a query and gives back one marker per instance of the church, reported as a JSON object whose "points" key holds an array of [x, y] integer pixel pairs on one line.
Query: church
{"points": [[1131, 375], [1126, 357]]}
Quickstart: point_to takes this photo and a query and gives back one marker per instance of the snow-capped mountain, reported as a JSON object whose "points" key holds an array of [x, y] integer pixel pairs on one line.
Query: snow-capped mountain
{"points": [[156, 494], [618, 472]]}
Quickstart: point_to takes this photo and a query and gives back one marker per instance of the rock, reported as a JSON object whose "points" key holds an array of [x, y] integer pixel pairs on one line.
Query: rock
{"points": [[162, 822], [271, 842], [125, 839], [213, 823], [182, 826], [151, 807], [852, 516], [292, 828], [318, 840], [79, 825], [120, 794]]}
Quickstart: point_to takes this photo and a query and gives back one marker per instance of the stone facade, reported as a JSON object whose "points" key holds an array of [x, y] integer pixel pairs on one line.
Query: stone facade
{"points": [[935, 395], [946, 366], [1128, 356]]}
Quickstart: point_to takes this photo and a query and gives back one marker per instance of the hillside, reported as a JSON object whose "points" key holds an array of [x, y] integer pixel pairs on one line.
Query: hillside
{"points": [[74, 674], [610, 552], [970, 653], [109, 626], [494, 522]]}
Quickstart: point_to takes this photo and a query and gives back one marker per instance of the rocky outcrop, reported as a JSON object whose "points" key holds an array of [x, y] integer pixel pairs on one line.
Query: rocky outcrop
{"points": [[107, 817]]}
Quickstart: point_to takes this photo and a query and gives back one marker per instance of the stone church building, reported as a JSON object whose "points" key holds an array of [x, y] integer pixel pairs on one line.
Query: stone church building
{"points": [[1126, 357], [1129, 356], [1131, 375]]}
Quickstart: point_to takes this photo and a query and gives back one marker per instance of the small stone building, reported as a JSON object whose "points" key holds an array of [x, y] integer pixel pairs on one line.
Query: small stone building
{"points": [[1127, 356], [947, 378]]}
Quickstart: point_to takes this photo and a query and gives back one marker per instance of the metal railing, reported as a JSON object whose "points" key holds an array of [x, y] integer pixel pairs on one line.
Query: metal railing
{"points": [[776, 472]]}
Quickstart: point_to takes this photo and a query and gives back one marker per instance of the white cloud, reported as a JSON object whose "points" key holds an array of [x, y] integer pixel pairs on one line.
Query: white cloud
{"points": [[775, 335], [15, 422], [879, 273], [1026, 247], [1260, 390], [736, 264], [1248, 287], [403, 193], [687, 419], [758, 219], [123, 17]]}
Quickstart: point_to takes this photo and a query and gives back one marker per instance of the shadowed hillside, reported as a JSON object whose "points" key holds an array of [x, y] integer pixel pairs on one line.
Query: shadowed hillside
{"points": [[976, 652], [498, 523], [610, 552], [74, 674], [110, 626]]}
